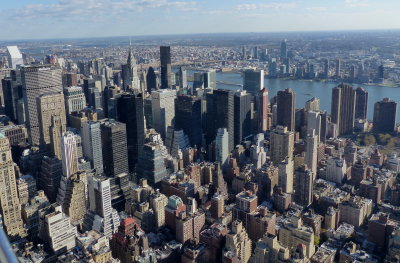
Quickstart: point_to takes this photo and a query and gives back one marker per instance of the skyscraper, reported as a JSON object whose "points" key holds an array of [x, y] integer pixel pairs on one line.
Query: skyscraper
{"points": [[281, 144], [151, 164], [304, 186], [311, 152], [163, 110], [385, 112], [182, 78], [253, 81], [220, 114], [9, 201], [14, 57], [262, 110], [151, 80], [115, 151], [286, 100], [242, 116], [337, 67], [221, 147], [69, 154], [38, 80], [74, 99], [361, 103], [188, 118], [101, 216], [51, 113], [343, 108], [313, 104], [91, 142], [166, 71], [283, 49], [210, 79], [130, 112]]}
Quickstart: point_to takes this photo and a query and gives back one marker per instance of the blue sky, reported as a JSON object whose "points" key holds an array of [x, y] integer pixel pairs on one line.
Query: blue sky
{"points": [[28, 19]]}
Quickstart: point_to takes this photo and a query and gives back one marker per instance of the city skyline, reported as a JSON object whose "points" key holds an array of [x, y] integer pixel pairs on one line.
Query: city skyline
{"points": [[52, 19]]}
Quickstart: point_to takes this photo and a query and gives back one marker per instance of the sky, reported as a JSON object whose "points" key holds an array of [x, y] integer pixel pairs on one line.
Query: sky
{"points": [[43, 19]]}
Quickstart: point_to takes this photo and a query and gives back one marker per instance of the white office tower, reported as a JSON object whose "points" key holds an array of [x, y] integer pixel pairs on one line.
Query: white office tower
{"points": [[74, 99], [257, 151], [69, 154], [180, 142], [335, 170], [133, 70], [281, 144], [163, 110], [101, 216], [286, 174], [313, 104], [222, 147], [91, 142], [55, 228], [312, 152], [14, 57], [314, 123]]}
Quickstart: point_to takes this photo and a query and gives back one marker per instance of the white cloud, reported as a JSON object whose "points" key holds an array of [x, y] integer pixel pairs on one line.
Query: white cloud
{"points": [[356, 3], [92, 9], [275, 6]]}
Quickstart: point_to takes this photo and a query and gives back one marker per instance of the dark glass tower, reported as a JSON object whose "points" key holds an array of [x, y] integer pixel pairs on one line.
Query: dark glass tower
{"points": [[286, 100], [242, 117], [151, 80], [165, 59], [151, 164], [343, 108], [130, 112], [220, 114], [115, 151], [188, 118], [87, 85], [385, 116], [361, 103]]}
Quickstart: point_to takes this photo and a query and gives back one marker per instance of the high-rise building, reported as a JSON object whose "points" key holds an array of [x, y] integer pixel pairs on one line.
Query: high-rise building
{"points": [[100, 216], [263, 111], [221, 147], [253, 81], [361, 103], [217, 206], [188, 118], [158, 203], [50, 176], [166, 71], [130, 112], [286, 175], [293, 233], [91, 145], [151, 164], [210, 79], [182, 78], [9, 200], [14, 57], [69, 154], [343, 108], [56, 229], [242, 116], [337, 67], [286, 100], [313, 104], [238, 242], [312, 152], [163, 110], [385, 112], [151, 80], [51, 113], [283, 49], [220, 114], [198, 80], [74, 99], [281, 144], [74, 198], [115, 150], [304, 186], [38, 80]]}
